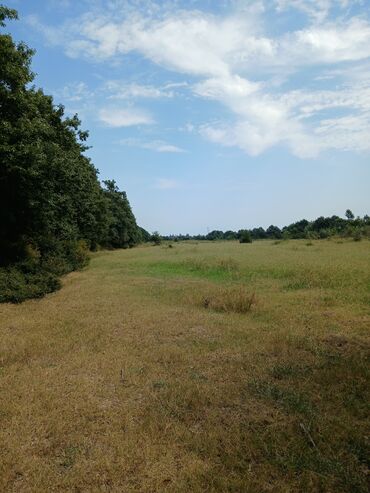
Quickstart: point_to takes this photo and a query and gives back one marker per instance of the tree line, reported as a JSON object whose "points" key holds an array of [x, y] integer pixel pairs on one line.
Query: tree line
{"points": [[322, 227], [53, 208]]}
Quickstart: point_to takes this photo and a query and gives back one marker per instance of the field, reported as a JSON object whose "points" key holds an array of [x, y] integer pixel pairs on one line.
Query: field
{"points": [[209, 367]]}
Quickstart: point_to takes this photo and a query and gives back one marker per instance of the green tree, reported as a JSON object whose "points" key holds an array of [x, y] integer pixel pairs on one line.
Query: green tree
{"points": [[273, 232], [144, 235], [156, 238], [123, 231]]}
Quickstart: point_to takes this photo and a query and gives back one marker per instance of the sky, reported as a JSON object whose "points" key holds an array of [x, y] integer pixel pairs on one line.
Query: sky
{"points": [[214, 114]]}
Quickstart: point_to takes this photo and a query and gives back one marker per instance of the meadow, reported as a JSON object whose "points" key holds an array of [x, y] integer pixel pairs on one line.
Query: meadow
{"points": [[192, 367]]}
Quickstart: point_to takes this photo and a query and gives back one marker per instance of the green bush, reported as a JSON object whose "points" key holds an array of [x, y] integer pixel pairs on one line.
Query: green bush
{"points": [[24, 281], [357, 236], [245, 237], [37, 276]]}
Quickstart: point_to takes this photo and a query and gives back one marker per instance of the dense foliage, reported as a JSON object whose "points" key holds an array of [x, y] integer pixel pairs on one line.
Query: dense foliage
{"points": [[322, 227], [53, 208]]}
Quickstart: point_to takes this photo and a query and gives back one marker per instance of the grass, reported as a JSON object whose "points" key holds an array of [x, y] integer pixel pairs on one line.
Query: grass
{"points": [[235, 299], [125, 381]]}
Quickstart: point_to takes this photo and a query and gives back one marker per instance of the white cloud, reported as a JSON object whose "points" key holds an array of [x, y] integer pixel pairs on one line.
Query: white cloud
{"points": [[226, 88], [154, 145], [121, 90], [189, 42], [255, 139], [329, 43], [239, 65], [126, 117], [166, 184]]}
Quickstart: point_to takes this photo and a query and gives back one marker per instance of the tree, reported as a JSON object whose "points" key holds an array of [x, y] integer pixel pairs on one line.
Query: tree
{"points": [[349, 215], [273, 232], [297, 229], [230, 235], [144, 235], [123, 231], [156, 238], [6, 13], [215, 235], [258, 233]]}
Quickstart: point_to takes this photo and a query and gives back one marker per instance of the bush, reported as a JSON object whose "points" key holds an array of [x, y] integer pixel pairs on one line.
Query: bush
{"points": [[357, 236], [245, 237], [39, 275], [26, 280]]}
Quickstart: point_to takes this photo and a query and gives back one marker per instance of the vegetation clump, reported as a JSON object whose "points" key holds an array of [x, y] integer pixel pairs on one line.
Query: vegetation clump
{"points": [[236, 299], [245, 237]]}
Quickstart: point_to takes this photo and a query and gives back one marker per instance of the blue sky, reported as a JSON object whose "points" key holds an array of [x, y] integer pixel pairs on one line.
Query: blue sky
{"points": [[214, 114]]}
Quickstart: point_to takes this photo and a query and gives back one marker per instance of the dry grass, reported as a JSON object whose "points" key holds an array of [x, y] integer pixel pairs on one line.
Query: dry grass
{"points": [[235, 299], [123, 382]]}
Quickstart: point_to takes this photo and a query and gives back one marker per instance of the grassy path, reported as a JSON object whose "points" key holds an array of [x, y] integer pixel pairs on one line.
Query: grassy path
{"points": [[123, 381]]}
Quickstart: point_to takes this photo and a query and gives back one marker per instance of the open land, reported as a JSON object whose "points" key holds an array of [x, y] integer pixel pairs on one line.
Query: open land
{"points": [[201, 367]]}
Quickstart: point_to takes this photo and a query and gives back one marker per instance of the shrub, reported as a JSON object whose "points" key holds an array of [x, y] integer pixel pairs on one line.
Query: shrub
{"points": [[245, 237], [26, 280], [357, 235], [39, 275]]}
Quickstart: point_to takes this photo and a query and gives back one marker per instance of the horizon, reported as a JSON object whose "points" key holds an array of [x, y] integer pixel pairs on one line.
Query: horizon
{"points": [[245, 115]]}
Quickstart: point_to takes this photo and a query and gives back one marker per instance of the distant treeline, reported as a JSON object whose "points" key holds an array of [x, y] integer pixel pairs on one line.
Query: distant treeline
{"points": [[53, 208], [322, 227]]}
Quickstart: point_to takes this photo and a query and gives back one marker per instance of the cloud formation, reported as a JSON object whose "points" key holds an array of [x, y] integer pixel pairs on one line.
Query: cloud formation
{"points": [[274, 86]]}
